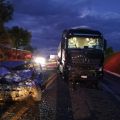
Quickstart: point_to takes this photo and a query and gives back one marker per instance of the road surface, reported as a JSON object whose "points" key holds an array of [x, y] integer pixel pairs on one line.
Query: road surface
{"points": [[61, 102]]}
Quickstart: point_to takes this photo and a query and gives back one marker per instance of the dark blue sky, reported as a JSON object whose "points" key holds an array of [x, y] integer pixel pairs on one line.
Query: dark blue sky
{"points": [[46, 19]]}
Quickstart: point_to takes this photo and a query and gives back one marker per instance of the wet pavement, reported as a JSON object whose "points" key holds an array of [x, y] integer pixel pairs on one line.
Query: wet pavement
{"points": [[61, 102]]}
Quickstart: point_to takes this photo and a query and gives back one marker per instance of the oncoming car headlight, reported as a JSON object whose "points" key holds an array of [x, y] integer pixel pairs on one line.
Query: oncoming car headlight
{"points": [[40, 60]]}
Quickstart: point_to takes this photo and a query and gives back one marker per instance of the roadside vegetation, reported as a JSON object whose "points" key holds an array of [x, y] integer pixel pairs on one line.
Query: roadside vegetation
{"points": [[15, 37]]}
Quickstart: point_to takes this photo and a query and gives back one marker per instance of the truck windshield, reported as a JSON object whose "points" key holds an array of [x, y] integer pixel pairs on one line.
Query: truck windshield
{"points": [[88, 42]]}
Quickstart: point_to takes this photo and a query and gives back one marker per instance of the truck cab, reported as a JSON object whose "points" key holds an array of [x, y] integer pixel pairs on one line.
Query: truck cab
{"points": [[81, 55]]}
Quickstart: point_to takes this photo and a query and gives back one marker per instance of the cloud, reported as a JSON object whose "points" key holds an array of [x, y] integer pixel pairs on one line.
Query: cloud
{"points": [[104, 15], [46, 19], [111, 15]]}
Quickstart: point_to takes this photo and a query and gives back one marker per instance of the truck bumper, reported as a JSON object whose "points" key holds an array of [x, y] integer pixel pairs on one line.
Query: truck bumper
{"points": [[85, 77]]}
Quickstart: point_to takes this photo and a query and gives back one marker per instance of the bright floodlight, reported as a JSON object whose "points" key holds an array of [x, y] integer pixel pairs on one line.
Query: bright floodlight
{"points": [[40, 60]]}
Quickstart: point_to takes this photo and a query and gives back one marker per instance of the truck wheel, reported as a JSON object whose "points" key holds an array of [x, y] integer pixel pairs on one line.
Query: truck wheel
{"points": [[37, 94]]}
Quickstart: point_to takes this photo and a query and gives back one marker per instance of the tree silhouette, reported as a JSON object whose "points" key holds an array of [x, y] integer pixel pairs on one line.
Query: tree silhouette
{"points": [[21, 37], [16, 36], [109, 51], [6, 13]]}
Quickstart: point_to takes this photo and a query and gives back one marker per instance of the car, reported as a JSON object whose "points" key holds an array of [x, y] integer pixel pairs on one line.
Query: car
{"points": [[20, 82]]}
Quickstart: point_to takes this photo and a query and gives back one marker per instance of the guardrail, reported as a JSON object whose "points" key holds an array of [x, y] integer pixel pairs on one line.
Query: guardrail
{"points": [[112, 73], [111, 83]]}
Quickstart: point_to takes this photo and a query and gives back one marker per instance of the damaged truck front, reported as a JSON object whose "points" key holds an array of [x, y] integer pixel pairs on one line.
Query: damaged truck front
{"points": [[81, 55]]}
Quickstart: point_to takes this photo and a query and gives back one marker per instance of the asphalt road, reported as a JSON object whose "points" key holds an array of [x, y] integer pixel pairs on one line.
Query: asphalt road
{"points": [[61, 102]]}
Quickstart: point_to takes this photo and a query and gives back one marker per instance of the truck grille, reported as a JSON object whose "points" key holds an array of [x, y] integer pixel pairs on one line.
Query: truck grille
{"points": [[79, 67], [85, 72], [78, 59]]}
